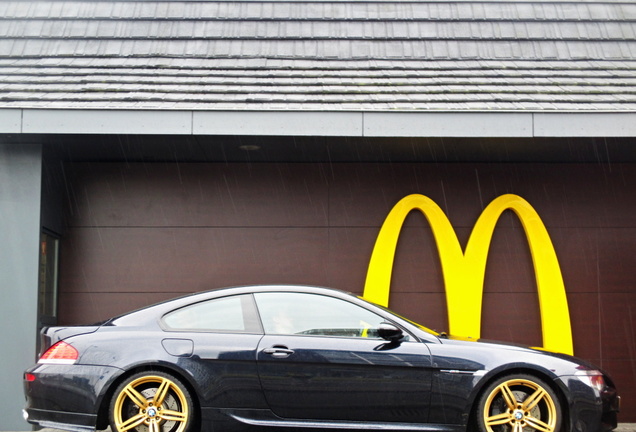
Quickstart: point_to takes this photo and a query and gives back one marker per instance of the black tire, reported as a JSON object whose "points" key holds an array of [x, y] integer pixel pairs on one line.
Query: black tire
{"points": [[133, 407], [519, 403]]}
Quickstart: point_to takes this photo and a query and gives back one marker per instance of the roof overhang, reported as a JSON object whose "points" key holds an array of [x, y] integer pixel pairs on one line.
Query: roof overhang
{"points": [[308, 123]]}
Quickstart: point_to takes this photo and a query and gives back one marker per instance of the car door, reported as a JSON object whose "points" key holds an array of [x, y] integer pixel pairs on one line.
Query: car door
{"points": [[219, 338], [321, 358]]}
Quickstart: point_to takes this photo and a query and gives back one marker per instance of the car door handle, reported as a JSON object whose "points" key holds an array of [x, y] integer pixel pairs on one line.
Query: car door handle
{"points": [[278, 351]]}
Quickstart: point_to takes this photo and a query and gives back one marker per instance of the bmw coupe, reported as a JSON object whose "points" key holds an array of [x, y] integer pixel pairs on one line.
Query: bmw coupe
{"points": [[281, 357]]}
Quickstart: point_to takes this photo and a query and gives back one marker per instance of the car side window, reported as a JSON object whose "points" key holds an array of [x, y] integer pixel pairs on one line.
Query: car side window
{"points": [[226, 314], [314, 314]]}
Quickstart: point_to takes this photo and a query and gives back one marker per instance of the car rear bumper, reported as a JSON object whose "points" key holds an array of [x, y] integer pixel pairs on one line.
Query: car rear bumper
{"points": [[66, 396], [60, 420]]}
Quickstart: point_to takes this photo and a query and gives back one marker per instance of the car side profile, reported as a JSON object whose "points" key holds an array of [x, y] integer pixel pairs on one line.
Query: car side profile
{"points": [[278, 357]]}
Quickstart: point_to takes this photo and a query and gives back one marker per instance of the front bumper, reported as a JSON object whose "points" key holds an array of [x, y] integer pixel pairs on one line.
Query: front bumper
{"points": [[611, 407], [591, 410]]}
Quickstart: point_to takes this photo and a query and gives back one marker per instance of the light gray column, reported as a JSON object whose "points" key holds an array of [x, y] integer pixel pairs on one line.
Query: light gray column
{"points": [[20, 190]]}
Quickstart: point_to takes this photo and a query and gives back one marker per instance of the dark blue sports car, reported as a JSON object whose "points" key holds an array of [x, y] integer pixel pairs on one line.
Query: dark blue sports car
{"points": [[280, 357]]}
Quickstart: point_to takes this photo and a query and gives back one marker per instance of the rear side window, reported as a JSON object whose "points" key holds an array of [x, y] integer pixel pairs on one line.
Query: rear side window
{"points": [[235, 314]]}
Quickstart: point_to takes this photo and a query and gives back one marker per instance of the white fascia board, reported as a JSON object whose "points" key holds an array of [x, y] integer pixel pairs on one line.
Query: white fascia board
{"points": [[448, 124], [10, 121], [272, 123], [319, 123], [107, 122], [590, 124]]}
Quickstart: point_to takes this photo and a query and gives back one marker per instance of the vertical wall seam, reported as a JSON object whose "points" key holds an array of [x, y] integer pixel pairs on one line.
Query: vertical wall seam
{"points": [[534, 134], [362, 134]]}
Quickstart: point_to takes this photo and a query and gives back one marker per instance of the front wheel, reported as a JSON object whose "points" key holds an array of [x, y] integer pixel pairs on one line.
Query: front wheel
{"points": [[519, 403], [151, 402]]}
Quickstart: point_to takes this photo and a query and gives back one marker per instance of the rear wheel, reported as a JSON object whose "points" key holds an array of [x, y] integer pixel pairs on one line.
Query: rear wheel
{"points": [[519, 403], [151, 402]]}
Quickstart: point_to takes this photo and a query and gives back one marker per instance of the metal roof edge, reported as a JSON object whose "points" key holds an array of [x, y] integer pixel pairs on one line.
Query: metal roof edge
{"points": [[320, 123]]}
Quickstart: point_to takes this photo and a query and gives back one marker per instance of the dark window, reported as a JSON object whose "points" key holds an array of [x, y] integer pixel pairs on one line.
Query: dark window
{"points": [[227, 314], [47, 298], [312, 314], [47, 280]]}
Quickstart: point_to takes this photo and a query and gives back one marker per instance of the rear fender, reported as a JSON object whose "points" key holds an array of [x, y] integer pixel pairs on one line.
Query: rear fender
{"points": [[51, 335]]}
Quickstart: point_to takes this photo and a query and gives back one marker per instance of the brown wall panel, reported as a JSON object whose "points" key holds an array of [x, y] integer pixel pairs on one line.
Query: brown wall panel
{"points": [[623, 374], [140, 233], [361, 194], [618, 326], [186, 260], [586, 329], [616, 252], [349, 251], [596, 259], [427, 308], [512, 317], [416, 267], [197, 195], [89, 308]]}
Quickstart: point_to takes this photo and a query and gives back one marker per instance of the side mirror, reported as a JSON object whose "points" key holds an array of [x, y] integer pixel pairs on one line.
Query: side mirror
{"points": [[388, 331]]}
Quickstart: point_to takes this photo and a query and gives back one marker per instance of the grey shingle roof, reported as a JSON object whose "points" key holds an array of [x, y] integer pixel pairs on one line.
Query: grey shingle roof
{"points": [[319, 55]]}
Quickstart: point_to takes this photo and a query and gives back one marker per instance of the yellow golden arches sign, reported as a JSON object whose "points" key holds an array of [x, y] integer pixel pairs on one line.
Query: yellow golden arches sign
{"points": [[464, 271]]}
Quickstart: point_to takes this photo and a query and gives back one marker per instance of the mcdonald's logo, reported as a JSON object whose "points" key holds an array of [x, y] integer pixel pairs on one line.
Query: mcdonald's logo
{"points": [[464, 271]]}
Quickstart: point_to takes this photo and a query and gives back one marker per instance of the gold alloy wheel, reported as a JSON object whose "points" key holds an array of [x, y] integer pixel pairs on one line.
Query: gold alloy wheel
{"points": [[151, 403], [520, 405]]}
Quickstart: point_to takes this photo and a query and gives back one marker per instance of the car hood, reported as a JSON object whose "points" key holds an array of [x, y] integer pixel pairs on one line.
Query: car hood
{"points": [[493, 344], [506, 347]]}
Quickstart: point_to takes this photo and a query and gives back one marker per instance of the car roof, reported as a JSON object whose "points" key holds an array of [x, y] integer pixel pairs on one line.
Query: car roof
{"points": [[150, 313]]}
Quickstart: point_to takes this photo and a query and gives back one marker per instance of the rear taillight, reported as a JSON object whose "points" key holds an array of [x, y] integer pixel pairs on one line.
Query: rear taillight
{"points": [[60, 353], [29, 377]]}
